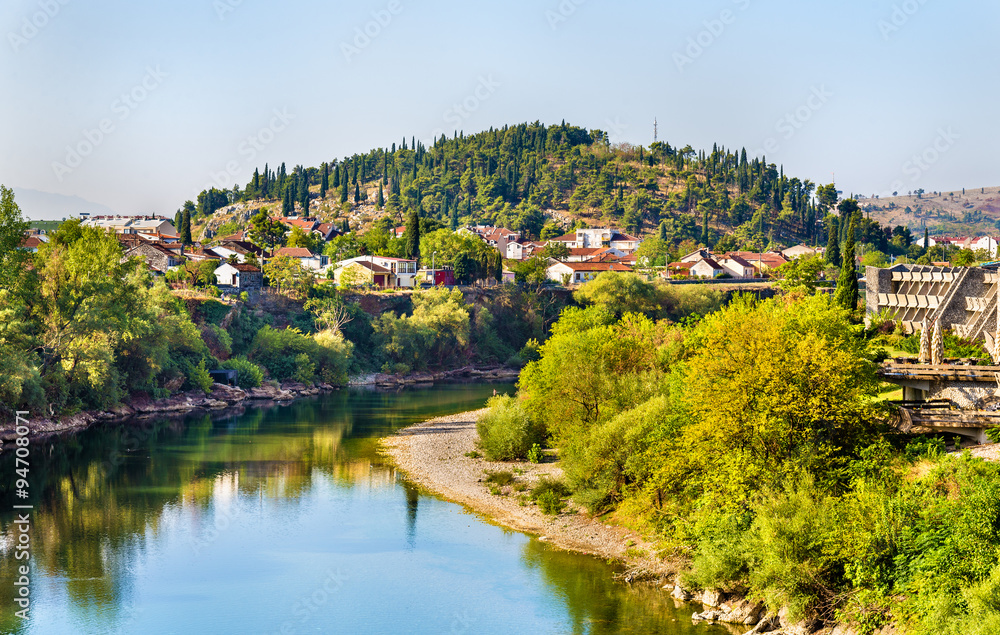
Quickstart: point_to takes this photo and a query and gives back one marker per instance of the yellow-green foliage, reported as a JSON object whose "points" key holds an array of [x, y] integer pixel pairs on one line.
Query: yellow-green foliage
{"points": [[290, 354], [436, 333], [506, 431]]}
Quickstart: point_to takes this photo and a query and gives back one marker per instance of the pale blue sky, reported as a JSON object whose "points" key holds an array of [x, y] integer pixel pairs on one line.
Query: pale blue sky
{"points": [[867, 85]]}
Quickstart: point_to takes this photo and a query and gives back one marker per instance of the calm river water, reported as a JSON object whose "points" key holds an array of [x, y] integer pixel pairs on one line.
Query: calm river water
{"points": [[286, 520]]}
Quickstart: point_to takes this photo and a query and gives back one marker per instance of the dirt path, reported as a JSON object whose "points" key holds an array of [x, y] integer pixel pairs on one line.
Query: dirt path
{"points": [[433, 455]]}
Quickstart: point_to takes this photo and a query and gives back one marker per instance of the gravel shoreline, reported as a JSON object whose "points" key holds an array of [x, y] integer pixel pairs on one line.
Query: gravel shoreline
{"points": [[432, 454]]}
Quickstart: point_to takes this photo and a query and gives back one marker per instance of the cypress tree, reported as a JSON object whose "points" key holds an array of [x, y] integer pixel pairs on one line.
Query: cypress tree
{"points": [[663, 231], [847, 294], [704, 229], [304, 192], [412, 235], [287, 203], [927, 240], [324, 183], [336, 176], [185, 231], [357, 193], [833, 244], [343, 188], [381, 198]]}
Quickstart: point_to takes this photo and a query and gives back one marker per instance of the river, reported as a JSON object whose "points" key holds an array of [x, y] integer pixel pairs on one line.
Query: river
{"points": [[286, 520]]}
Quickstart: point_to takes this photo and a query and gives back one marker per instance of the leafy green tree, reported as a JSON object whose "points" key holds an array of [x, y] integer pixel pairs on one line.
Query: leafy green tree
{"points": [[620, 293], [556, 250], [435, 334], [266, 232], [801, 274], [13, 229], [287, 276], [299, 238]]}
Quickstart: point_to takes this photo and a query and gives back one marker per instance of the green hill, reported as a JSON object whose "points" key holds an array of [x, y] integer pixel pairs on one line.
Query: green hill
{"points": [[545, 179]]}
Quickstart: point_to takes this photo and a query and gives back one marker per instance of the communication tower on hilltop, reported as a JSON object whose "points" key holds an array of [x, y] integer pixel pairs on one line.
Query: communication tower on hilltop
{"points": [[656, 131]]}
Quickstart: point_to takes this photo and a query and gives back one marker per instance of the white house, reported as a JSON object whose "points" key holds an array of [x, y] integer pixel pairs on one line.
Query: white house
{"points": [[696, 255], [737, 267], [599, 237], [579, 272], [986, 243], [707, 268], [151, 227], [240, 276], [523, 250]]}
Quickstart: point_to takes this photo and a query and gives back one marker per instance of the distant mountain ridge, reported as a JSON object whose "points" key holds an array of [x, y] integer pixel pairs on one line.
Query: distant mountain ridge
{"points": [[38, 205], [969, 211]]}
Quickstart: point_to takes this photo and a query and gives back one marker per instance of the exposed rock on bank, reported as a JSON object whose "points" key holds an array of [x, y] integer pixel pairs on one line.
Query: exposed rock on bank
{"points": [[468, 373], [142, 406]]}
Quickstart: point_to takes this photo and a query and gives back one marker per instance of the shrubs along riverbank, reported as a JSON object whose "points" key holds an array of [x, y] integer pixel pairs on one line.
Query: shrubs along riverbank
{"points": [[752, 444]]}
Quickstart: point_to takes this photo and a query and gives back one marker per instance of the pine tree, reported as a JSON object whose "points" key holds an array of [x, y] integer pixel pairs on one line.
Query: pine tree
{"points": [[847, 294], [833, 244]]}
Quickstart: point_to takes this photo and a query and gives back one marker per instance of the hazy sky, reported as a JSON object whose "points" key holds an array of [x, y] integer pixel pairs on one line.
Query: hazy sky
{"points": [[140, 105]]}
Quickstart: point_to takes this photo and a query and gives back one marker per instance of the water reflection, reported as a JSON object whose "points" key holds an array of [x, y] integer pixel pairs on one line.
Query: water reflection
{"points": [[169, 522]]}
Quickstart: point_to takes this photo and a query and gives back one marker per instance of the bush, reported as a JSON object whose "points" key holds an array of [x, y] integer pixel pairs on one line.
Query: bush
{"points": [[200, 378], [248, 374], [501, 477], [535, 453], [506, 432], [549, 493]]}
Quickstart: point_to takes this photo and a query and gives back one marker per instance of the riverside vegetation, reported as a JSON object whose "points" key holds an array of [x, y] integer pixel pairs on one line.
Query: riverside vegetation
{"points": [[80, 329], [752, 442]]}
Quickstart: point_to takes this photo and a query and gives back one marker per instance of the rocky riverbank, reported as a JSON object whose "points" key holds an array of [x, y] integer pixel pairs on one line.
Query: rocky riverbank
{"points": [[142, 406], [440, 455], [466, 373]]}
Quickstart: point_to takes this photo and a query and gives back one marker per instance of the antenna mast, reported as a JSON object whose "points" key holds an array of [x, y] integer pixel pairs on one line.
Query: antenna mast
{"points": [[656, 131]]}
